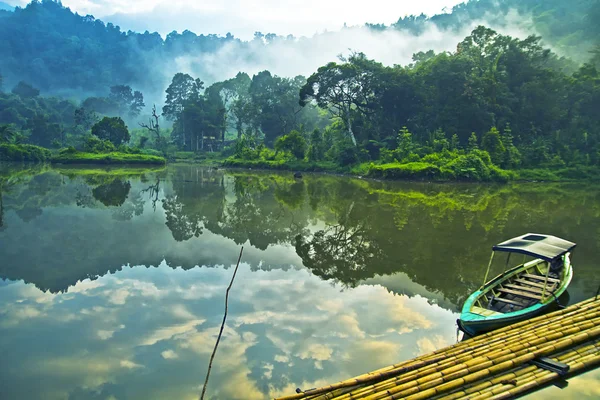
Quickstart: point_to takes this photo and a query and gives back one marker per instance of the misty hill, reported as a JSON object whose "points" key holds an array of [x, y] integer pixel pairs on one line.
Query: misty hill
{"points": [[62, 52], [568, 26], [7, 7]]}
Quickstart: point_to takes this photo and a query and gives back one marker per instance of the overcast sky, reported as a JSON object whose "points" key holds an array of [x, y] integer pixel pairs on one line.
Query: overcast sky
{"points": [[243, 18]]}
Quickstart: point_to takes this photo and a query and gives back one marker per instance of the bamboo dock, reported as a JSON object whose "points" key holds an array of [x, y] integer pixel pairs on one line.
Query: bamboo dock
{"points": [[498, 365]]}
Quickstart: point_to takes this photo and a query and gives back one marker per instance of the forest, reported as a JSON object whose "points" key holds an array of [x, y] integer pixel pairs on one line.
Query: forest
{"points": [[495, 108]]}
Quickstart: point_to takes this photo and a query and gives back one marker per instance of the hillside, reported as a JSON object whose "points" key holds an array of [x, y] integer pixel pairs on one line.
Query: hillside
{"points": [[62, 52]]}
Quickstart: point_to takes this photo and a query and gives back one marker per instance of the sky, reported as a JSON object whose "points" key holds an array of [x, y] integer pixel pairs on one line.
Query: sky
{"points": [[243, 18]]}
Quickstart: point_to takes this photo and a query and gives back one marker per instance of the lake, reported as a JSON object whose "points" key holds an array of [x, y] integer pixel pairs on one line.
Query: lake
{"points": [[112, 282]]}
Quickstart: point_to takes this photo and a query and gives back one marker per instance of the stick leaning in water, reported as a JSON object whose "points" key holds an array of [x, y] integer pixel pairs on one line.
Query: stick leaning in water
{"points": [[222, 324]]}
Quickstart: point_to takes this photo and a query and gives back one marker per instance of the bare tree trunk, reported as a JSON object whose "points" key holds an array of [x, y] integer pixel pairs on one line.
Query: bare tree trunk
{"points": [[350, 133]]}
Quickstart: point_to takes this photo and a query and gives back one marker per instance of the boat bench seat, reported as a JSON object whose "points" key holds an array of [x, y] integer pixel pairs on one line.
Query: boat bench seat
{"points": [[532, 289], [508, 301], [552, 285], [540, 278]]}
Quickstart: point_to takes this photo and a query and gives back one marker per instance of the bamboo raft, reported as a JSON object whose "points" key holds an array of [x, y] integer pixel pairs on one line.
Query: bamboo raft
{"points": [[496, 365]]}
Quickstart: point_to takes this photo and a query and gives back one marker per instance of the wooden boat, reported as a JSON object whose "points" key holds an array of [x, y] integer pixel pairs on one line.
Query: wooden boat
{"points": [[523, 291]]}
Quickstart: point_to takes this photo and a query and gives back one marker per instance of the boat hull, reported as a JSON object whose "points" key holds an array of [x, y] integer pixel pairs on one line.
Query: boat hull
{"points": [[474, 327], [474, 323]]}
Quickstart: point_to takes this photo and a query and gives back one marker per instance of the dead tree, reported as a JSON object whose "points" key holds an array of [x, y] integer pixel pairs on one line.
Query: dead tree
{"points": [[154, 128]]}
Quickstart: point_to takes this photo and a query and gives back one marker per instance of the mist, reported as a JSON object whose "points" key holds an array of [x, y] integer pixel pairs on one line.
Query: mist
{"points": [[289, 57]]}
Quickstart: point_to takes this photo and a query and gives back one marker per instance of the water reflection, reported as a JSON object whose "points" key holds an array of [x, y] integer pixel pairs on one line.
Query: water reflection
{"points": [[147, 334], [341, 275]]}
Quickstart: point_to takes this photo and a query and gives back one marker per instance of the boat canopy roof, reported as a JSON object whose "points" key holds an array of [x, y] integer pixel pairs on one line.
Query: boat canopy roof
{"points": [[545, 247]]}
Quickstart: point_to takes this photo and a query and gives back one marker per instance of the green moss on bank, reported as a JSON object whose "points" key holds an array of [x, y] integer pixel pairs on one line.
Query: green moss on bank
{"points": [[106, 158], [23, 152], [284, 165]]}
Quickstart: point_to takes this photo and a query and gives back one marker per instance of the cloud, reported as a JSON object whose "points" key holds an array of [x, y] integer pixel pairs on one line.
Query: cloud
{"points": [[243, 18], [129, 364], [303, 56], [164, 340], [169, 355], [169, 332]]}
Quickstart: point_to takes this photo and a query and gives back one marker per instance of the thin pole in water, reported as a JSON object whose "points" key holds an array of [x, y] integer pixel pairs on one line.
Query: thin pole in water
{"points": [[222, 325]]}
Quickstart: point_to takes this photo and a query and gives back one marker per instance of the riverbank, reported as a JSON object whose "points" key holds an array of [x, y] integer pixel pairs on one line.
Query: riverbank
{"points": [[26, 152], [107, 158], [419, 171]]}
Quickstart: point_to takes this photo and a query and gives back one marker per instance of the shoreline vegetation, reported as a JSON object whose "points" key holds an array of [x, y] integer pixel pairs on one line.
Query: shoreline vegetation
{"points": [[495, 109], [32, 153], [410, 171], [415, 171]]}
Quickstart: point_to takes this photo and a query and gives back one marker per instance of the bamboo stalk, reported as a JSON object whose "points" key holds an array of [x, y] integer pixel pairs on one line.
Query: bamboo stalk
{"points": [[464, 365], [507, 355], [457, 379]]}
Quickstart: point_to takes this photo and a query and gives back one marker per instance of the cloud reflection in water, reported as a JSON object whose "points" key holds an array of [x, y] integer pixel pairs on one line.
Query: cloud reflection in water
{"points": [[149, 335]]}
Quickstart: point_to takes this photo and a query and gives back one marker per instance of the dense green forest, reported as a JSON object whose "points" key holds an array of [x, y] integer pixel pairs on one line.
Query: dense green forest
{"points": [[57, 50], [494, 105]]}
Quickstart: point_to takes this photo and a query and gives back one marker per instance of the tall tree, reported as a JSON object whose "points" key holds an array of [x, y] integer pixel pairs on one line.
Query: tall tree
{"points": [[112, 129], [182, 90], [127, 100], [25, 90], [344, 89]]}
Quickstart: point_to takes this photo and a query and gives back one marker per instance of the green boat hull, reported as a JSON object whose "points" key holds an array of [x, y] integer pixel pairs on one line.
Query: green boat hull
{"points": [[474, 323]]}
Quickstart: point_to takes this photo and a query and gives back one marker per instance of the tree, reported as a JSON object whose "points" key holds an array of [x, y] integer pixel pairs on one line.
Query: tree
{"points": [[126, 100], [405, 144], [85, 118], [25, 90], [316, 149], [275, 102], [473, 142], [293, 142], [235, 95], [154, 128], [344, 89], [112, 129], [9, 134], [492, 143], [182, 91], [102, 105], [136, 104], [112, 194], [43, 132]]}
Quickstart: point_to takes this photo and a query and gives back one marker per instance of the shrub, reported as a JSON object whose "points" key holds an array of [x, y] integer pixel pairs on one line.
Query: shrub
{"points": [[23, 152], [415, 170], [98, 146]]}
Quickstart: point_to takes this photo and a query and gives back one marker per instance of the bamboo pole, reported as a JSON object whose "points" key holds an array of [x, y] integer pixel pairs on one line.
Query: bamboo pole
{"points": [[421, 373], [472, 360], [511, 356]]}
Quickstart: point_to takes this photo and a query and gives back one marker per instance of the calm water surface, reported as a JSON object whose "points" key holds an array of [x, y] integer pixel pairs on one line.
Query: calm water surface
{"points": [[112, 282]]}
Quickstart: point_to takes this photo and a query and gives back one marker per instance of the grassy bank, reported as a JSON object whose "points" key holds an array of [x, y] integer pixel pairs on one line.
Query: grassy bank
{"points": [[23, 152], [424, 171], [287, 165], [106, 158]]}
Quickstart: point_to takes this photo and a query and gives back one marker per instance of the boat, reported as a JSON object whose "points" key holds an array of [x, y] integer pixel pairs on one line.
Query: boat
{"points": [[523, 291]]}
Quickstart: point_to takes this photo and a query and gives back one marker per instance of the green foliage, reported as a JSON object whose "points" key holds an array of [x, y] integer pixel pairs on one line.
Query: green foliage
{"points": [[98, 146], [414, 170], [473, 142], [293, 142], [25, 90], [406, 147], [107, 158], [127, 100], [23, 152], [316, 148], [112, 129], [492, 143]]}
